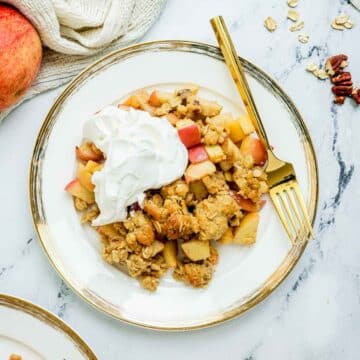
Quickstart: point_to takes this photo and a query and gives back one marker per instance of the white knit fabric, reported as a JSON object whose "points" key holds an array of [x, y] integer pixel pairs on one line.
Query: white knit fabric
{"points": [[77, 32]]}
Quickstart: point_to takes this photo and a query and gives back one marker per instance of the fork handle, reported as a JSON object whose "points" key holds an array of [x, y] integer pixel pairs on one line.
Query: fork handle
{"points": [[237, 72]]}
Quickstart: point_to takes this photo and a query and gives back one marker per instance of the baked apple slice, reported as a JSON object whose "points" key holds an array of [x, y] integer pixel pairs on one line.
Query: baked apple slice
{"points": [[245, 204], [157, 98], [246, 124], [198, 171], [197, 154], [88, 151], [196, 250], [199, 189], [215, 152], [170, 252], [227, 238], [245, 233], [85, 173], [255, 148], [137, 100], [189, 133], [76, 189]]}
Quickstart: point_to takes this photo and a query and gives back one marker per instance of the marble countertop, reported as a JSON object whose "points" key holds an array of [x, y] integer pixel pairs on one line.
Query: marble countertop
{"points": [[315, 313]]}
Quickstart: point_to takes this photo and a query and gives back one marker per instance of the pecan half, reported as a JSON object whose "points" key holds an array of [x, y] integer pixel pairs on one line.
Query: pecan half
{"points": [[340, 90], [335, 63], [356, 95], [339, 100], [341, 78]]}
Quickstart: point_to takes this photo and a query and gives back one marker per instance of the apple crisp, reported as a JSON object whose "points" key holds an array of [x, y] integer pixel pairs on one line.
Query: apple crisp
{"points": [[179, 226]]}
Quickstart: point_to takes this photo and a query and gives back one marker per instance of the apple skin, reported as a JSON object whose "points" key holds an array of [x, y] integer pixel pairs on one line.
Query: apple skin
{"points": [[255, 148], [190, 135], [85, 153], [197, 154], [245, 204], [76, 189], [20, 55]]}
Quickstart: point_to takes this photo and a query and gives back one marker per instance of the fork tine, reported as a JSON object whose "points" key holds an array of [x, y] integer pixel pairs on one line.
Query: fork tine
{"points": [[301, 202], [287, 210], [295, 210], [281, 214]]}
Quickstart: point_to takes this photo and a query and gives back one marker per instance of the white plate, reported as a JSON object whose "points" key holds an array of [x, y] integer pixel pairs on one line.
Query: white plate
{"points": [[35, 334], [244, 276]]}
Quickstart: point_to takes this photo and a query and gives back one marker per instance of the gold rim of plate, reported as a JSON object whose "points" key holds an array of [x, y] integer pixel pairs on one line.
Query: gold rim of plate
{"points": [[48, 318], [36, 205]]}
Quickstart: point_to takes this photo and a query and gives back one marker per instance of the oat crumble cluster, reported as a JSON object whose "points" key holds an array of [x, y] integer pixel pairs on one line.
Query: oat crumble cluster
{"points": [[179, 226]]}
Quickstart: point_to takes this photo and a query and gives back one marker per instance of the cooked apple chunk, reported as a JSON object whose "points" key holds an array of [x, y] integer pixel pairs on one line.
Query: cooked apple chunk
{"points": [[189, 133], [227, 238], [245, 234], [246, 124], [76, 189], [255, 148], [215, 153], [231, 151], [85, 172], [196, 250], [170, 253], [198, 171], [88, 151], [199, 189], [197, 154]]}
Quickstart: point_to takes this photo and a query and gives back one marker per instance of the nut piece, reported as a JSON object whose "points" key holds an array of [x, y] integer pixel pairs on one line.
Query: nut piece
{"points": [[341, 90], [335, 63], [297, 26], [293, 3], [270, 24], [303, 38], [293, 15], [356, 95], [339, 100], [343, 78]]}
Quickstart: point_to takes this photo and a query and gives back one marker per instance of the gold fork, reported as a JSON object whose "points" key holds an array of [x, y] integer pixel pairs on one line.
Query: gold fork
{"points": [[284, 188]]}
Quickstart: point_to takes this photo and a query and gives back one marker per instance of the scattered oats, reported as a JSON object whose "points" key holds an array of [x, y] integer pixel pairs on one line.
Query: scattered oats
{"points": [[293, 3], [341, 19], [349, 24], [297, 26], [293, 15], [311, 67], [335, 26], [270, 24], [303, 38], [321, 74]]}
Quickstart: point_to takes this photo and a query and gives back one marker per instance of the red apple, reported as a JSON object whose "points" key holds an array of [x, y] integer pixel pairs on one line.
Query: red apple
{"points": [[20, 55], [255, 148], [197, 154], [189, 134]]}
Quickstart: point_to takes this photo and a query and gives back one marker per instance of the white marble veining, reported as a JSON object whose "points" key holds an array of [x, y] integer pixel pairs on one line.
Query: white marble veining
{"points": [[315, 313]]}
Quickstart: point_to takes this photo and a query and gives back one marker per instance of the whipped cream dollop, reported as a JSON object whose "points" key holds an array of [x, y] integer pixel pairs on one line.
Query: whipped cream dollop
{"points": [[142, 152]]}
